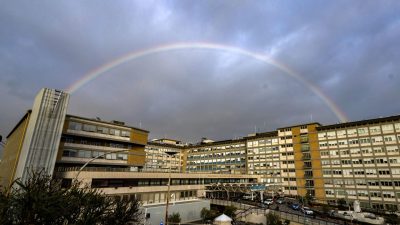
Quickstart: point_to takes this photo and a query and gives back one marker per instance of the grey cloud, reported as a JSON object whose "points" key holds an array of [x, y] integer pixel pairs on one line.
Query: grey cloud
{"points": [[348, 49]]}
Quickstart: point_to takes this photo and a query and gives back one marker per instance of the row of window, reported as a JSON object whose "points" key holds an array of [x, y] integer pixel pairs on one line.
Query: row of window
{"points": [[363, 151], [220, 161], [219, 154], [206, 149], [386, 183], [363, 193], [362, 141], [94, 154], [98, 129], [394, 160], [386, 128], [361, 172]]}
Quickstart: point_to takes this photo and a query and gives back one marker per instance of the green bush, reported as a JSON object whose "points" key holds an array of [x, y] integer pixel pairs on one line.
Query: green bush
{"points": [[42, 200]]}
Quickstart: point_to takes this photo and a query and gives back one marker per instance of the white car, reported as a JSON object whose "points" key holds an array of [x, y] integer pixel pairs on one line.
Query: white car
{"points": [[307, 211], [269, 201]]}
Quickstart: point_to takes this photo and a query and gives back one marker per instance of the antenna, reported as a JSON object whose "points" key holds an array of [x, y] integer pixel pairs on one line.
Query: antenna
{"points": [[140, 124], [311, 119]]}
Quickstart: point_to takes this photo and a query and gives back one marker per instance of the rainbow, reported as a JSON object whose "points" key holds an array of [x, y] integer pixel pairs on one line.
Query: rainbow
{"points": [[207, 46]]}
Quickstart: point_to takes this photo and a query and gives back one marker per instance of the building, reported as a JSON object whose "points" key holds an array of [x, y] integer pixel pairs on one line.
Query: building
{"points": [[110, 144], [354, 161], [222, 157], [162, 156], [33, 143], [361, 161], [110, 156]]}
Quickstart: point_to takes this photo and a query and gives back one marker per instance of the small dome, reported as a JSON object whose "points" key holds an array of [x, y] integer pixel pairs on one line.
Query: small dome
{"points": [[223, 218]]}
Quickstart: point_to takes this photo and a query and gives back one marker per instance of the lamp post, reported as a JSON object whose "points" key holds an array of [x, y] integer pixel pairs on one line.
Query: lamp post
{"points": [[170, 154]]}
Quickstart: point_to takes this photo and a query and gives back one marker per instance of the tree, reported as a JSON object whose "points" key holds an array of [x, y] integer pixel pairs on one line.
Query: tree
{"points": [[230, 211], [342, 203], [206, 214], [308, 198], [42, 200], [174, 218], [392, 219], [273, 219]]}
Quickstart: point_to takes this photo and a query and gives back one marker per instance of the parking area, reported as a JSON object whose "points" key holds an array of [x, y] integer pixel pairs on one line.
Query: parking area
{"points": [[288, 208]]}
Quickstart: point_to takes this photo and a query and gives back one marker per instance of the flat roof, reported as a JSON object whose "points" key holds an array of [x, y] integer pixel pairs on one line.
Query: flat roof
{"points": [[359, 123], [106, 122], [299, 125], [165, 145]]}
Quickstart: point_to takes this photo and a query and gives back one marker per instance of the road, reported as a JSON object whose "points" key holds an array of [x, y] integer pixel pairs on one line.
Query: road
{"points": [[287, 209]]}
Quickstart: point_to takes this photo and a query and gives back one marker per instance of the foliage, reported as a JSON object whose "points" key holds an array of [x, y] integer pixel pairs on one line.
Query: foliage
{"points": [[392, 219], [230, 211], [208, 214], [325, 209], [174, 218], [342, 203], [41, 200], [287, 222], [273, 219], [308, 199]]}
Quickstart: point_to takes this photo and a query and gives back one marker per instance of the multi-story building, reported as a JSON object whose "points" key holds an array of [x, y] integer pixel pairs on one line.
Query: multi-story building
{"points": [[109, 156], [109, 144], [361, 161], [162, 156], [32, 144], [355, 161], [223, 157]]}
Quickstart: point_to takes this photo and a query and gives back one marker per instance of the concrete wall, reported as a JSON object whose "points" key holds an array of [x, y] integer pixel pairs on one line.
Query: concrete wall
{"points": [[189, 211]]}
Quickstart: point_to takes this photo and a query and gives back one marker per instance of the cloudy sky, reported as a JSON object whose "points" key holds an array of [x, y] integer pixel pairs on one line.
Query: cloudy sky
{"points": [[349, 50]]}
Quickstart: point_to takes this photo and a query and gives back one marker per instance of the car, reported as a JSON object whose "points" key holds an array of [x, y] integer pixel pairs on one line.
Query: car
{"points": [[280, 200], [269, 201], [307, 210], [247, 197], [295, 206]]}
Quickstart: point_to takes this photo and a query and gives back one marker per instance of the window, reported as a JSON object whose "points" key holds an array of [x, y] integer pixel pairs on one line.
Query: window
{"points": [[341, 133], [70, 153], [125, 133], [362, 131], [388, 128], [324, 153], [375, 130], [88, 127], [75, 126]]}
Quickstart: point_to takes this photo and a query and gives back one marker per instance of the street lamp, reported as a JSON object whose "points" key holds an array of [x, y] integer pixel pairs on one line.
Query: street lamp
{"points": [[170, 154]]}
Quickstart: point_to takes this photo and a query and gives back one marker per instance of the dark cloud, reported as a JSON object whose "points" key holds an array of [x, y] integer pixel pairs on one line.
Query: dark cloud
{"points": [[348, 49]]}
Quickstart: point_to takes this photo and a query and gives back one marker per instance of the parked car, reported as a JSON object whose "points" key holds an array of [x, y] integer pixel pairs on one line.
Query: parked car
{"points": [[295, 206], [247, 197], [269, 201], [307, 211], [280, 200]]}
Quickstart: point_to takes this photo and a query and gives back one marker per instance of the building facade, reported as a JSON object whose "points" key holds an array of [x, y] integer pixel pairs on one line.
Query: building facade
{"points": [[354, 161], [222, 157], [361, 161], [32, 145], [110, 144]]}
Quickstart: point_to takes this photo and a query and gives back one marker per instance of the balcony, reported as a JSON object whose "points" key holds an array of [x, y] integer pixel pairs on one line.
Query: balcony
{"points": [[307, 166], [305, 148], [308, 176], [303, 139], [306, 157]]}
